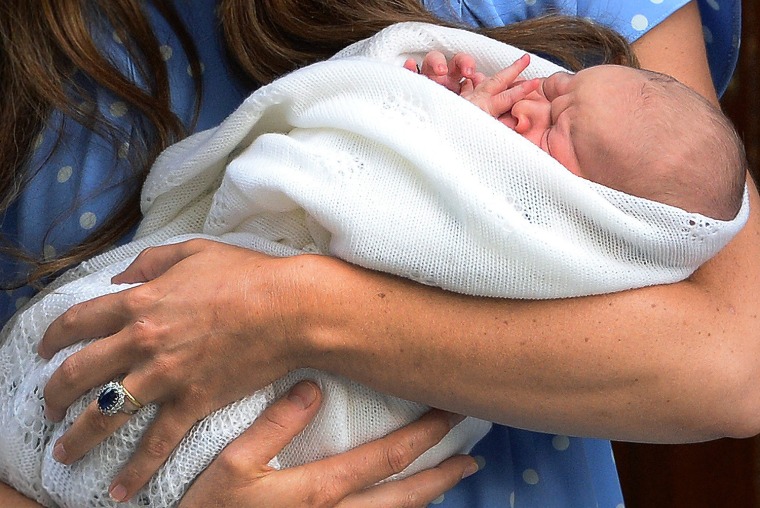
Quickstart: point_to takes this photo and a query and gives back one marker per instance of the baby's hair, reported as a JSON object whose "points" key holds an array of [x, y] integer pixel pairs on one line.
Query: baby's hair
{"points": [[691, 154]]}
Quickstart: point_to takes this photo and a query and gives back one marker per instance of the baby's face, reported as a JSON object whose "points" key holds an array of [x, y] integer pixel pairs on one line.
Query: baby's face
{"points": [[579, 118]]}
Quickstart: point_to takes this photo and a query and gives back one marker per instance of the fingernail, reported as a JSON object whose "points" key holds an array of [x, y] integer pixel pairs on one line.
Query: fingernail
{"points": [[470, 470], [59, 452], [118, 493], [303, 394], [455, 420]]}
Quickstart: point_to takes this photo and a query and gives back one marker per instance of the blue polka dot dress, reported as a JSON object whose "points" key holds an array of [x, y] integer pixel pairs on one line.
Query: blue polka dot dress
{"points": [[82, 177]]}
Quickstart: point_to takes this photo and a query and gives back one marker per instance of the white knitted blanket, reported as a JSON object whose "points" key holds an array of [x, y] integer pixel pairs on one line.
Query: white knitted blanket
{"points": [[361, 159]]}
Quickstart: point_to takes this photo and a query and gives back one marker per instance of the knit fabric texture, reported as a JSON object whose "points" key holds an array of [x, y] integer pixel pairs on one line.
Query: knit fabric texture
{"points": [[361, 159]]}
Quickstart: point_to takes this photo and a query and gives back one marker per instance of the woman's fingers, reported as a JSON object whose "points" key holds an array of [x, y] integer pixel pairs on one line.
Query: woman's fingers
{"points": [[268, 435], [239, 476], [73, 378], [98, 317], [375, 461], [160, 439], [417, 490], [87, 431], [154, 261], [280, 423]]}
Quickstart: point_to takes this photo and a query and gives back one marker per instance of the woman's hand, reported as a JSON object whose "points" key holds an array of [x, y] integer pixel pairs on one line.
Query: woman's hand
{"points": [[206, 309], [240, 477]]}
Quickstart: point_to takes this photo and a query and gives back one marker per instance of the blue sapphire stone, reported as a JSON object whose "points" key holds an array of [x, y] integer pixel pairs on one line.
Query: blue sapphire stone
{"points": [[110, 399]]}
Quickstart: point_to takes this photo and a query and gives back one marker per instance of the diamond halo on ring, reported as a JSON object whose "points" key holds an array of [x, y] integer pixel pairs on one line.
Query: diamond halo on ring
{"points": [[113, 397]]}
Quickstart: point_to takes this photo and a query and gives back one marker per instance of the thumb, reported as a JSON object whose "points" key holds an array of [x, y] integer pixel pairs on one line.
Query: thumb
{"points": [[278, 425]]}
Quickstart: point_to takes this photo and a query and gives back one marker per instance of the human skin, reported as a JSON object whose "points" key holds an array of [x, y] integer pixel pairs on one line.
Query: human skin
{"points": [[350, 477], [347, 480], [582, 366], [576, 117]]}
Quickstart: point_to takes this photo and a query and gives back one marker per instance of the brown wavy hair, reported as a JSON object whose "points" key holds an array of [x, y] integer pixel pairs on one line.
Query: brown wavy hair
{"points": [[45, 42]]}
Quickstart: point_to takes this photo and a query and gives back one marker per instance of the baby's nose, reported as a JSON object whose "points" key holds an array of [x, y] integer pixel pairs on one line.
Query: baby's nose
{"points": [[530, 115]]}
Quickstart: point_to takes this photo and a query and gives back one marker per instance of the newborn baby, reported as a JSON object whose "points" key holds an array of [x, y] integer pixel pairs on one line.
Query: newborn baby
{"points": [[632, 130]]}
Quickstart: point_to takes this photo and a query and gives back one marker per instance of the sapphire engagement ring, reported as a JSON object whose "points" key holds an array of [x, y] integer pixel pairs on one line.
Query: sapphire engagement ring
{"points": [[114, 398]]}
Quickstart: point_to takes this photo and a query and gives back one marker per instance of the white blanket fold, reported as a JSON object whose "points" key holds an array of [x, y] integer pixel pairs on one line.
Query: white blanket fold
{"points": [[357, 158]]}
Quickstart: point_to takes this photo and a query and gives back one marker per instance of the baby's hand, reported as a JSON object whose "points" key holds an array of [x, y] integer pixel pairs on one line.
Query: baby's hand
{"points": [[496, 95], [451, 74]]}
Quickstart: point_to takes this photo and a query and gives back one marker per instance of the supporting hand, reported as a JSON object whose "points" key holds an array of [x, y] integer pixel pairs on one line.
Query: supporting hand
{"points": [[240, 477]]}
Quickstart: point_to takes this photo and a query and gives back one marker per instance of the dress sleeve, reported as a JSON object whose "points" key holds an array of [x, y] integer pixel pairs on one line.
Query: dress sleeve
{"points": [[721, 20]]}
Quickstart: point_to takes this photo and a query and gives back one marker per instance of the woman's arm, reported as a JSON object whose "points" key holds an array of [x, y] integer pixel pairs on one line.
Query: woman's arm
{"points": [[676, 47], [10, 497], [668, 363]]}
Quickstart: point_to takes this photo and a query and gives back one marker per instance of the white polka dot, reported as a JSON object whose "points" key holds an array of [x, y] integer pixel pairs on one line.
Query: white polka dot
{"points": [[639, 22], [118, 109], [530, 2], [87, 220], [621, 505], [512, 499], [38, 141], [116, 37], [20, 302], [714, 4], [530, 476], [707, 34], [123, 151], [561, 443], [190, 69], [438, 500], [480, 461], [656, 1], [64, 174], [166, 52], [48, 251]]}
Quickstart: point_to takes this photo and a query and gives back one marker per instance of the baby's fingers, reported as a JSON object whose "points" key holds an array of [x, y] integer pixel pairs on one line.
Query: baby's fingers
{"points": [[503, 102], [435, 67], [505, 78], [462, 65]]}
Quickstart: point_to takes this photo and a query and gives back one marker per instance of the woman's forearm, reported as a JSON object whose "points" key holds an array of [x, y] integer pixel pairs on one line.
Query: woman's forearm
{"points": [[10, 497], [666, 363]]}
